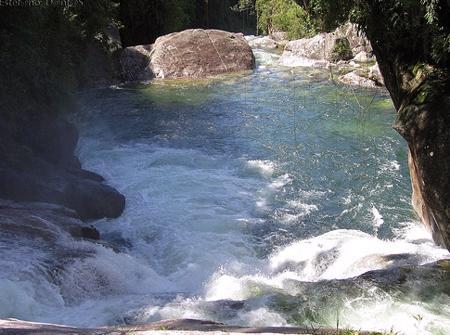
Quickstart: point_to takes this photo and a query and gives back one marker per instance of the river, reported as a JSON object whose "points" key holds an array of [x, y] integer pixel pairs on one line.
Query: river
{"points": [[248, 197]]}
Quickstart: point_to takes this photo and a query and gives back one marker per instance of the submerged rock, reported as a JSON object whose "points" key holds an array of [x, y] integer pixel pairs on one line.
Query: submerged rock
{"points": [[192, 53], [41, 221]]}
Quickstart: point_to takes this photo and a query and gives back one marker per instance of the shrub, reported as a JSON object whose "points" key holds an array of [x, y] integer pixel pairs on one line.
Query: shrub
{"points": [[284, 15], [341, 50]]}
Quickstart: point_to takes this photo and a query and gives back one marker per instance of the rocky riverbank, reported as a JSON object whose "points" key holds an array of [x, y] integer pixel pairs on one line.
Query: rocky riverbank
{"points": [[400, 278], [43, 187], [174, 327], [345, 52]]}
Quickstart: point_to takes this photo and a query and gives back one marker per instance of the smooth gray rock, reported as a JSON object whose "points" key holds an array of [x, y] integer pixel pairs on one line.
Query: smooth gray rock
{"points": [[353, 79], [264, 42], [193, 53], [320, 47]]}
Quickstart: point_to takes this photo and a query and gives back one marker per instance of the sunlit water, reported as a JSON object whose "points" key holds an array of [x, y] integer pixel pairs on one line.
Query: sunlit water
{"points": [[247, 196]]}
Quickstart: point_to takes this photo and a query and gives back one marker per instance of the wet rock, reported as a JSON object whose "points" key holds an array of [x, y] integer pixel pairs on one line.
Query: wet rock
{"points": [[41, 221], [321, 46], [264, 42], [46, 183], [192, 53], [289, 59], [91, 199], [353, 79], [40, 166], [135, 63]]}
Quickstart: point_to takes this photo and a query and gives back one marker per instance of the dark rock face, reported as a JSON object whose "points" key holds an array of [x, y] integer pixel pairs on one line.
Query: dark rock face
{"points": [[135, 63], [420, 89], [194, 53], [42, 221], [37, 164]]}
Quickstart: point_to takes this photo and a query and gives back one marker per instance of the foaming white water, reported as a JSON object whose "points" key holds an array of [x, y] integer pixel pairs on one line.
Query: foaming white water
{"points": [[386, 314], [338, 254], [207, 203], [185, 232], [265, 168], [288, 59], [265, 59], [230, 217], [377, 217]]}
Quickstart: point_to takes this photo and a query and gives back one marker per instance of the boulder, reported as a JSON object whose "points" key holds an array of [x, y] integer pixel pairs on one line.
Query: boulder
{"points": [[264, 42], [363, 57], [46, 170], [318, 47], [375, 74], [321, 46], [194, 53], [279, 36], [41, 181], [341, 50], [354, 79], [135, 63], [358, 40]]}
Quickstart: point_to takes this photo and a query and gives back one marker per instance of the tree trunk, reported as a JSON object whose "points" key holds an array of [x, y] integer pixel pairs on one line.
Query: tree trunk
{"points": [[420, 91]]}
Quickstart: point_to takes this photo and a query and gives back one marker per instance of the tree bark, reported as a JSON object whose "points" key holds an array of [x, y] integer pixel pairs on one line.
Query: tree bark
{"points": [[420, 90]]}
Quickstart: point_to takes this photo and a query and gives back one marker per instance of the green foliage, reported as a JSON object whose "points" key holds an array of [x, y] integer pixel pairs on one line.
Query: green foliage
{"points": [[341, 50], [417, 30], [284, 15], [328, 14], [245, 5], [179, 14], [42, 50]]}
